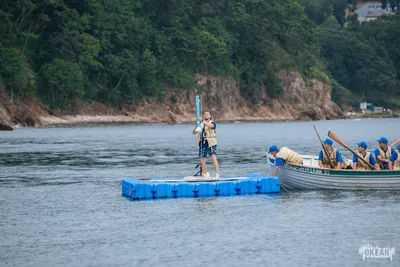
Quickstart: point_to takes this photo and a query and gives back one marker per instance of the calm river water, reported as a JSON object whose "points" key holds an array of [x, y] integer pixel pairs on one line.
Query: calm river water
{"points": [[61, 202]]}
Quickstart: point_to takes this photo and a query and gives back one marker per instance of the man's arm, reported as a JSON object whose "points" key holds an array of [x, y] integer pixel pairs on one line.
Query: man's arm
{"points": [[339, 160], [320, 164], [373, 162], [275, 171], [278, 162], [320, 157], [393, 152], [355, 160], [209, 124], [392, 160]]}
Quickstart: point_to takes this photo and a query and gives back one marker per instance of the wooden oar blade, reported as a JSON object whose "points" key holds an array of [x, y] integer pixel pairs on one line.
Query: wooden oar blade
{"points": [[395, 143], [332, 135], [323, 147], [337, 139]]}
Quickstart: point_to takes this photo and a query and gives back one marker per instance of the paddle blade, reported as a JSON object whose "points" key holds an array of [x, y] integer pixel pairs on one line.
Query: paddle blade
{"points": [[395, 143], [335, 138]]}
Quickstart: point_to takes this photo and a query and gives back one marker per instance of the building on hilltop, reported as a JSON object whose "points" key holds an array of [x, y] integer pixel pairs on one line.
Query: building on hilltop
{"points": [[370, 11]]}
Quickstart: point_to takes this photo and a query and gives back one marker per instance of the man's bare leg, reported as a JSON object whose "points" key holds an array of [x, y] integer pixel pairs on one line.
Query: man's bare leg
{"points": [[215, 162], [203, 166]]}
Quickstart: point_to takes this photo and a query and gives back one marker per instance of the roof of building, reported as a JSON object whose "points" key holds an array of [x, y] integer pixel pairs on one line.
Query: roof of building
{"points": [[372, 9]]}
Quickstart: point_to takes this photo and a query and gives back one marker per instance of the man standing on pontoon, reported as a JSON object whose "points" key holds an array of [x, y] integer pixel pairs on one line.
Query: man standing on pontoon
{"points": [[207, 143]]}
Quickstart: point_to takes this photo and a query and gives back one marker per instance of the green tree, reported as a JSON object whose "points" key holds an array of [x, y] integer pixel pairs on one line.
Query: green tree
{"points": [[62, 82], [17, 77], [117, 52], [357, 66], [147, 75]]}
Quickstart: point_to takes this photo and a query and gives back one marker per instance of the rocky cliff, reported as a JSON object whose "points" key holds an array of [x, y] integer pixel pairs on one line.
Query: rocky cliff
{"points": [[300, 100]]}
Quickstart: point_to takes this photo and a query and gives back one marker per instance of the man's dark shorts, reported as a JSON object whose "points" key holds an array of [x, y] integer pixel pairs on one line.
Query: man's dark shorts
{"points": [[206, 151]]}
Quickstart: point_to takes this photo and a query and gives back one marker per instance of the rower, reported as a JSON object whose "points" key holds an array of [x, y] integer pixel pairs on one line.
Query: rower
{"points": [[368, 157], [333, 154], [383, 153], [394, 163], [284, 155]]}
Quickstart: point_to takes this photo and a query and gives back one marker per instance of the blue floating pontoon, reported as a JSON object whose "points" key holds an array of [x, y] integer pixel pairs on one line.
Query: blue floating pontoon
{"points": [[157, 188]]}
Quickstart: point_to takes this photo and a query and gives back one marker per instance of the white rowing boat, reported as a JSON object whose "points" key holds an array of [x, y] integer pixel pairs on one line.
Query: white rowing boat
{"points": [[310, 176]]}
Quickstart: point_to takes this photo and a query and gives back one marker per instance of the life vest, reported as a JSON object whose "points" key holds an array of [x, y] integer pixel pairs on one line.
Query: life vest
{"points": [[289, 156], [360, 164], [384, 155], [396, 164], [332, 156], [211, 135], [387, 154]]}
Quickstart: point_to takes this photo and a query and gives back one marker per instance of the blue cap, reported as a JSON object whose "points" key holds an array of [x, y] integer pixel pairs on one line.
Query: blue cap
{"points": [[398, 146], [328, 141], [382, 140], [363, 144], [273, 148]]}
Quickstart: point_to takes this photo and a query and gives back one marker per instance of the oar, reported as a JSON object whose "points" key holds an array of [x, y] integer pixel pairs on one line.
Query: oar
{"points": [[198, 112], [336, 139], [323, 147], [395, 143], [200, 172]]}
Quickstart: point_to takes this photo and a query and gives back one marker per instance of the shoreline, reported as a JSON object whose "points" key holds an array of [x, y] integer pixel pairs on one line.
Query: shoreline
{"points": [[296, 103], [380, 116], [106, 120]]}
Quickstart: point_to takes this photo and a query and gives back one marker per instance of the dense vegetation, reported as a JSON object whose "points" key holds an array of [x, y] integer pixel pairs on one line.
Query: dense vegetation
{"points": [[118, 51]]}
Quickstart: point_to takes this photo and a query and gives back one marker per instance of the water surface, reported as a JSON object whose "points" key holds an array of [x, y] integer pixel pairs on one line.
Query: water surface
{"points": [[61, 202]]}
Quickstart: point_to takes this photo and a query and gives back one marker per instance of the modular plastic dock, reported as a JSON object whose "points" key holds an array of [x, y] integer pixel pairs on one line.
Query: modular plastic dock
{"points": [[157, 188]]}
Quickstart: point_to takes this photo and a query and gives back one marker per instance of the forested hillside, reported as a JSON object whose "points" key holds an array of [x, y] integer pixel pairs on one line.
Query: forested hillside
{"points": [[116, 52]]}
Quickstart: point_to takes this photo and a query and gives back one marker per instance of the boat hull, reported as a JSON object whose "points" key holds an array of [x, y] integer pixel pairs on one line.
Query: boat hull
{"points": [[293, 176]]}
